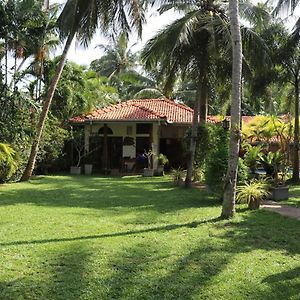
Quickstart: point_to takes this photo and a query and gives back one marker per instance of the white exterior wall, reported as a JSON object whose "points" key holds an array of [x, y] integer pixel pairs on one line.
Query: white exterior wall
{"points": [[155, 144], [119, 129]]}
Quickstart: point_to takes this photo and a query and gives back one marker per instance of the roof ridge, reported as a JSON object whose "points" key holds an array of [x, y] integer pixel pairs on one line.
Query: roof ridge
{"points": [[181, 105]]}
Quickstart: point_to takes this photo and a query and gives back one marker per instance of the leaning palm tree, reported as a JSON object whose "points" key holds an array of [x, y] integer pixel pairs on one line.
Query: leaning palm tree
{"points": [[228, 208], [80, 19]]}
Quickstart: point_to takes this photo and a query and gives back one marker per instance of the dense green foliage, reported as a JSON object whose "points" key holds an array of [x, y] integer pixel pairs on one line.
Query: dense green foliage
{"points": [[217, 160], [8, 162], [133, 238]]}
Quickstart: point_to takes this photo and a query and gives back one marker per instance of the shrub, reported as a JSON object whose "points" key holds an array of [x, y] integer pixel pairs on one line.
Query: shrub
{"points": [[50, 155], [178, 175], [217, 160], [252, 193], [8, 162], [243, 171], [203, 147], [162, 159], [252, 156]]}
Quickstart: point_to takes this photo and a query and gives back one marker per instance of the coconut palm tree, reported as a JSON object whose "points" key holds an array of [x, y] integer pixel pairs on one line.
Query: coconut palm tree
{"points": [[229, 197], [191, 46], [187, 47], [119, 63], [80, 19]]}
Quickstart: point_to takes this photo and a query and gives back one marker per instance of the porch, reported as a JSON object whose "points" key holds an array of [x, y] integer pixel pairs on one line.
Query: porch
{"points": [[121, 145]]}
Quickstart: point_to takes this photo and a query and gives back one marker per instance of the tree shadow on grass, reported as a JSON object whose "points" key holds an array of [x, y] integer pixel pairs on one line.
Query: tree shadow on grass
{"points": [[182, 279], [148, 270], [111, 235], [286, 283], [104, 193], [59, 276], [192, 276]]}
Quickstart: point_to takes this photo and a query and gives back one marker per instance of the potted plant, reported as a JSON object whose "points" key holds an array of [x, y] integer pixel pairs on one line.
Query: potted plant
{"points": [[162, 161], [148, 172], [178, 176], [252, 193], [81, 153], [280, 189], [276, 167]]}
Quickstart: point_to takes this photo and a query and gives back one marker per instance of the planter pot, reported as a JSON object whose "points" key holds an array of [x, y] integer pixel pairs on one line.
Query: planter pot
{"points": [[160, 170], [75, 170], [88, 168], [254, 204], [280, 193], [148, 172]]}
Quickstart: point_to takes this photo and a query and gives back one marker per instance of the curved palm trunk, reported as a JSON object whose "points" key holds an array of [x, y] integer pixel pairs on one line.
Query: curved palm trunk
{"points": [[228, 208], [193, 141], [43, 116], [296, 134]]}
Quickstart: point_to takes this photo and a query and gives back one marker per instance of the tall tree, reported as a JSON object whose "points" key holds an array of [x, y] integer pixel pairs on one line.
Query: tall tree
{"points": [[228, 208], [187, 47], [290, 60], [191, 46], [81, 18]]}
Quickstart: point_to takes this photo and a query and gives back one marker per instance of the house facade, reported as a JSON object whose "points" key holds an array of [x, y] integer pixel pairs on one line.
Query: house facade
{"points": [[117, 135]]}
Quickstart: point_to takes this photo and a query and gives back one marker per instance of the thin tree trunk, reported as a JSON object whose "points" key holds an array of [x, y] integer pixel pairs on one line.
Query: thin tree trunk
{"points": [[21, 64], [6, 61], [194, 134], [203, 103], [18, 70], [296, 134], [228, 208], [15, 70], [43, 116], [41, 77]]}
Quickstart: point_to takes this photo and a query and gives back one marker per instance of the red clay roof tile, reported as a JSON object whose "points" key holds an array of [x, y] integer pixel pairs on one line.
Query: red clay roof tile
{"points": [[141, 110]]}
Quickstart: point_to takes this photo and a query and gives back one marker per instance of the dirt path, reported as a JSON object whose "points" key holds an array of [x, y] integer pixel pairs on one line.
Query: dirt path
{"points": [[285, 210]]}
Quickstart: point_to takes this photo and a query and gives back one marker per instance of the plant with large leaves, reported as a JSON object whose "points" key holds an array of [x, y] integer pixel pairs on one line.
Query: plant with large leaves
{"points": [[81, 18]]}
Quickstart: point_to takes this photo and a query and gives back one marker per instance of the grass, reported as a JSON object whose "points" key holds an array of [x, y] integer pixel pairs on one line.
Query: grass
{"points": [[135, 238], [294, 197]]}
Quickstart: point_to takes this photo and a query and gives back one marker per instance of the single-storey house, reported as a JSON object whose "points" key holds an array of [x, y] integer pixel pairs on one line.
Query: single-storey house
{"points": [[119, 133]]}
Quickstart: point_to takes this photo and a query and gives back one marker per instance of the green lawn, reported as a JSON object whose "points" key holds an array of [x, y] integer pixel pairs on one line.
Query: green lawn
{"points": [[134, 238], [294, 197]]}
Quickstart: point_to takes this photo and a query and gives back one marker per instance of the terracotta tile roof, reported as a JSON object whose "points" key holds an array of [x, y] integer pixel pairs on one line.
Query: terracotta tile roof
{"points": [[141, 110], [147, 110]]}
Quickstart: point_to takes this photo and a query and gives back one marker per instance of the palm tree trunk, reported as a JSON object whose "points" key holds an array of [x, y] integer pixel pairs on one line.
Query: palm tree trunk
{"points": [[228, 208], [43, 116], [41, 77], [203, 103], [21, 64], [6, 61], [194, 134], [296, 133], [15, 70]]}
